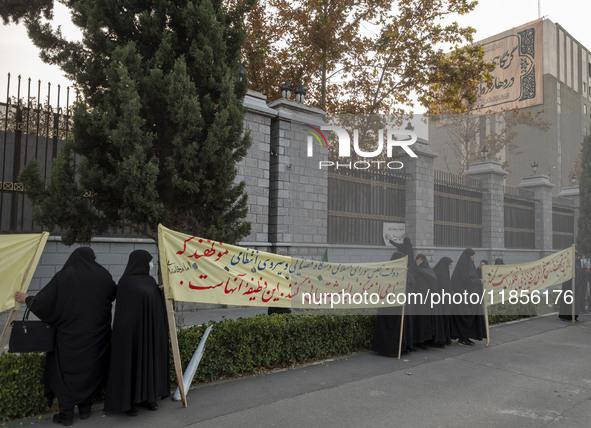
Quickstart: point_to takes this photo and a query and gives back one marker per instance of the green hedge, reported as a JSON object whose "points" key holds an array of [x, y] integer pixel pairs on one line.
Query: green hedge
{"points": [[234, 347], [21, 392], [242, 346]]}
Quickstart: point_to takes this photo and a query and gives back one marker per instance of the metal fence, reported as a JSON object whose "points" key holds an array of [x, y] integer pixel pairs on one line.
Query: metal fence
{"points": [[519, 218], [34, 125], [563, 224], [31, 129], [458, 210], [360, 202]]}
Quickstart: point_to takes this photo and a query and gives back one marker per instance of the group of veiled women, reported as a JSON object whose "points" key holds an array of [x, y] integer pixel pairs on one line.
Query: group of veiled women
{"points": [[431, 326], [130, 359]]}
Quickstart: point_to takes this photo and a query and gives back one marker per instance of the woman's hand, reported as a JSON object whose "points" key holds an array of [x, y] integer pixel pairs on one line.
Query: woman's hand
{"points": [[20, 297]]}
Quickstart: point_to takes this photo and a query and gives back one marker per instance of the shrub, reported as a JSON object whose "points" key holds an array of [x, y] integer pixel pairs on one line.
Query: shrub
{"points": [[245, 345], [21, 392], [234, 347]]}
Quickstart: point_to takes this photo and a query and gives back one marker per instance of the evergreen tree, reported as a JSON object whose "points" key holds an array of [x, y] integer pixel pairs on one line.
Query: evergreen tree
{"points": [[584, 222], [160, 129]]}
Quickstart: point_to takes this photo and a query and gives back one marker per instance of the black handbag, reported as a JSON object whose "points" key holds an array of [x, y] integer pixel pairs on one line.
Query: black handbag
{"points": [[31, 336]]}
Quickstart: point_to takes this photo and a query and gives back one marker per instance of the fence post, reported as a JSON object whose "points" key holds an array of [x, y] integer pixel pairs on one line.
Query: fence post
{"points": [[542, 188], [420, 203], [298, 187], [254, 169], [492, 175]]}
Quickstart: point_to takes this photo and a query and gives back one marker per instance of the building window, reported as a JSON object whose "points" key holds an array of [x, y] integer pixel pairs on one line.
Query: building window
{"points": [[584, 108], [584, 88], [590, 69]]}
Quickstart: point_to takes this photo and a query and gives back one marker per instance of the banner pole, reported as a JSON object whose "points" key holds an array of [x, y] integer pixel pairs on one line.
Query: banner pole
{"points": [[486, 323], [401, 329], [174, 340], [573, 285], [176, 355]]}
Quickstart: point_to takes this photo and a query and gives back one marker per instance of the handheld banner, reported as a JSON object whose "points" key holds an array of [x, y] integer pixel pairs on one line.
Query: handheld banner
{"points": [[19, 255], [500, 282], [201, 270]]}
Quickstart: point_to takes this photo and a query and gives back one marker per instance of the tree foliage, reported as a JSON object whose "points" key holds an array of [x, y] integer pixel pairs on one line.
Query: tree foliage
{"points": [[161, 127], [468, 136], [364, 56]]}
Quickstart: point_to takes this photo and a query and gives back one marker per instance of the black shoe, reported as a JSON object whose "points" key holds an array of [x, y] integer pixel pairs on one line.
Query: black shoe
{"points": [[132, 412], [84, 410], [59, 418], [152, 405], [470, 342], [464, 342]]}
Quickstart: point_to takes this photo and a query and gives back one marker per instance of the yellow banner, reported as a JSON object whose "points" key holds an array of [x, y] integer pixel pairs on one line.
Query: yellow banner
{"points": [[200, 270], [19, 255], [502, 282]]}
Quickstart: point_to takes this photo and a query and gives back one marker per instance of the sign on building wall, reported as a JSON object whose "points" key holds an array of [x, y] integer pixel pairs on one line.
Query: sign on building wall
{"points": [[517, 77]]}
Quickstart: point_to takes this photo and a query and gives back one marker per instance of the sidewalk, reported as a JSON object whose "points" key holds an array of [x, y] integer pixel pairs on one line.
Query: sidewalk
{"points": [[536, 372]]}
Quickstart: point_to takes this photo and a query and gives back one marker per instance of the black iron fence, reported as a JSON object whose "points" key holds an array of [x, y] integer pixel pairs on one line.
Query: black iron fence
{"points": [[34, 125], [458, 210], [31, 128], [360, 202], [519, 218]]}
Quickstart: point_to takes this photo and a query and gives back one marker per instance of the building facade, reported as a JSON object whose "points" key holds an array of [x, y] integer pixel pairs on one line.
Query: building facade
{"points": [[542, 70]]}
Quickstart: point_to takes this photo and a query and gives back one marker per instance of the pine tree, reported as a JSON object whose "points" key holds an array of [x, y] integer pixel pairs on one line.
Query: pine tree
{"points": [[160, 130], [584, 222]]}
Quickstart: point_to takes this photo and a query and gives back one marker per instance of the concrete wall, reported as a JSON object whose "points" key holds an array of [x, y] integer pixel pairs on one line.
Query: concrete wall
{"points": [[112, 253]]}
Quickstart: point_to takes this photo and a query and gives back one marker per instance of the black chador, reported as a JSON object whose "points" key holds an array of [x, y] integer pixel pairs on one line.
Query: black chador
{"points": [[77, 301], [566, 309], [468, 319], [387, 330], [442, 271], [139, 356], [429, 314]]}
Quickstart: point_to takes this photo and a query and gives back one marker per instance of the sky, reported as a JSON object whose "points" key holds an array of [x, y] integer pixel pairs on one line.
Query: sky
{"points": [[19, 56]]}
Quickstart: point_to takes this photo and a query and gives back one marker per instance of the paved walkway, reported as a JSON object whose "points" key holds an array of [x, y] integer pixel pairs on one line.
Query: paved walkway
{"points": [[535, 372]]}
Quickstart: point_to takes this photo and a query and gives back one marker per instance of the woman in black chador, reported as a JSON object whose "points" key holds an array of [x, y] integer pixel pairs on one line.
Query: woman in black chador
{"points": [[387, 330], [77, 301], [468, 319], [566, 309], [442, 271], [405, 248], [139, 355], [428, 322]]}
